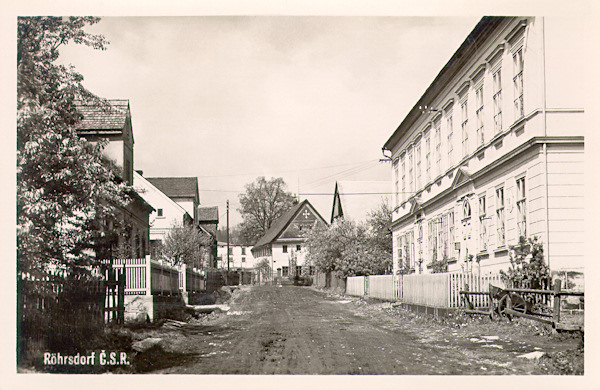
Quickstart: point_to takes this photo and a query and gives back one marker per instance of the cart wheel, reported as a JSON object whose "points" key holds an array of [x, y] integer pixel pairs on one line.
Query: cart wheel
{"points": [[518, 303], [502, 305]]}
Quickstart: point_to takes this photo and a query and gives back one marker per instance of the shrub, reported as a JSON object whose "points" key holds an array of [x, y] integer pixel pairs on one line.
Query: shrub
{"points": [[527, 268]]}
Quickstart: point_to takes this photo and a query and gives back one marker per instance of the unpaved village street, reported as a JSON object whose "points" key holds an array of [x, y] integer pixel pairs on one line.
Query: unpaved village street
{"points": [[300, 330]]}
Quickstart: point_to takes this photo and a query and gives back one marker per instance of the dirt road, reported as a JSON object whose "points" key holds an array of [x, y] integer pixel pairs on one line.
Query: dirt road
{"points": [[299, 330]]}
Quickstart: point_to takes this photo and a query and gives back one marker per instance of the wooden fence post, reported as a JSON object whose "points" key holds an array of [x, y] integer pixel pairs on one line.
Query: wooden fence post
{"points": [[121, 287], [148, 275], [557, 297]]}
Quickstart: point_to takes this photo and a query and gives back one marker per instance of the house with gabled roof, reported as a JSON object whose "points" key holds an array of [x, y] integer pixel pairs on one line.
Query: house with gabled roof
{"points": [[166, 214], [282, 244], [354, 200], [111, 120], [183, 190]]}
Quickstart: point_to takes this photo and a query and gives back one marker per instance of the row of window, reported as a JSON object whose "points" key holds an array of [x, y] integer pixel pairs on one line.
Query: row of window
{"points": [[285, 248], [408, 170], [441, 229]]}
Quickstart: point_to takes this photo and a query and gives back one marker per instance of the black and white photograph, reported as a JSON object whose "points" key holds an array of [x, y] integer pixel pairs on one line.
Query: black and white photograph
{"points": [[234, 194]]}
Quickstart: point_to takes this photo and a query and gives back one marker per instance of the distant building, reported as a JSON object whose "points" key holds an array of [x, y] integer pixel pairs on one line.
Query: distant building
{"points": [[240, 256], [208, 220], [113, 122], [494, 151], [354, 200], [282, 244]]}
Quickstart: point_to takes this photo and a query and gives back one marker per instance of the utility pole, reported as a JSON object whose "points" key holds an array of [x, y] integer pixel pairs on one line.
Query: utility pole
{"points": [[227, 237]]}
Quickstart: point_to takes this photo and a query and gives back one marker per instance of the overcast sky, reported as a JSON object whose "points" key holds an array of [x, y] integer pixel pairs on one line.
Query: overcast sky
{"points": [[228, 99]]}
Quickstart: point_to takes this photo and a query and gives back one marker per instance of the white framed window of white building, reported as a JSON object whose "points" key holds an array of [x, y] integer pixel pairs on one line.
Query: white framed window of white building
{"points": [[464, 125], [483, 236], [480, 136], [500, 217], [518, 83], [395, 165], [418, 158], [400, 252], [521, 203], [410, 249], [427, 157], [437, 137], [411, 177], [497, 98], [440, 238], [451, 238], [432, 240], [450, 136], [403, 177], [420, 240]]}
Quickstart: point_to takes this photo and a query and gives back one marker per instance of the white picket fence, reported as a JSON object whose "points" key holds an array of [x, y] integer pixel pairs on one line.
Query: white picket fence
{"points": [[146, 276], [434, 290]]}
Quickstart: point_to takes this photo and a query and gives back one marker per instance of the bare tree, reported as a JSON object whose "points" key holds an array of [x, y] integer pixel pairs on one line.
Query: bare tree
{"points": [[262, 204]]}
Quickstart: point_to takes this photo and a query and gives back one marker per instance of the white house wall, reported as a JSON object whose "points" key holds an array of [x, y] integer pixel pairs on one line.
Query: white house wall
{"points": [[545, 146]]}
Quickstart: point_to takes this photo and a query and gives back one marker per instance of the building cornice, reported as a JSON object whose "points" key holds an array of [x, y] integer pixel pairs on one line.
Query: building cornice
{"points": [[508, 156]]}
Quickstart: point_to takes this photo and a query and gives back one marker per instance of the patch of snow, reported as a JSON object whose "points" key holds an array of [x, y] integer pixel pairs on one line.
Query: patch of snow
{"points": [[490, 337], [494, 346], [345, 301], [533, 355]]}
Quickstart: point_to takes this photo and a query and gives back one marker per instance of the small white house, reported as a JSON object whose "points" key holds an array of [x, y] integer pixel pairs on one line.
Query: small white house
{"points": [[166, 212]]}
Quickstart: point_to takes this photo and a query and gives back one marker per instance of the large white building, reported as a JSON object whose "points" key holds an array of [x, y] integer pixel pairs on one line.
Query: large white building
{"points": [[494, 150]]}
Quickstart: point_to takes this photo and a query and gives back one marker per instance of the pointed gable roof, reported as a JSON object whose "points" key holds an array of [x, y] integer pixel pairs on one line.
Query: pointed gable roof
{"points": [[109, 118], [283, 222], [177, 187], [461, 176], [143, 184], [355, 199], [208, 214]]}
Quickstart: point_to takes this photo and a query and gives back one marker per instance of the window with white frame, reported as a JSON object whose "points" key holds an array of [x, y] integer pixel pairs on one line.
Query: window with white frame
{"points": [[466, 210], [500, 221], [437, 134], [521, 208], [450, 137], [497, 85], [432, 240], [518, 83], [420, 240], [445, 235], [396, 182], [400, 251], [464, 127], [411, 177], [483, 240], [410, 249], [403, 169], [439, 238], [451, 238], [427, 158], [479, 115], [418, 164]]}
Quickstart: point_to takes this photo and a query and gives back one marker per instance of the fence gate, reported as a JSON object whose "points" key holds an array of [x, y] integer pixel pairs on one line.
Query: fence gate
{"points": [[114, 299]]}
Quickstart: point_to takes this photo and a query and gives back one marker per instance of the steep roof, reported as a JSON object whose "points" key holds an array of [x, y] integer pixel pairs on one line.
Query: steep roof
{"points": [[177, 187], [358, 198], [105, 118], [208, 214], [280, 224]]}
